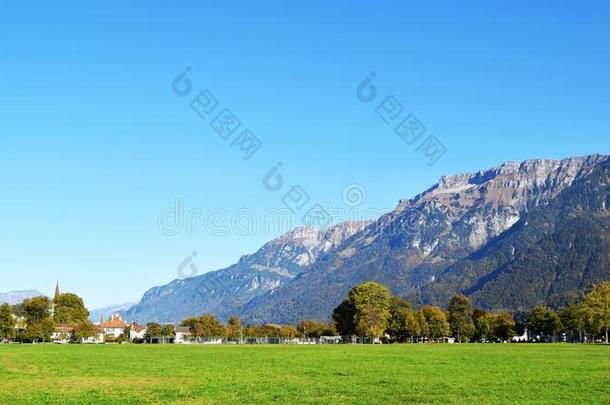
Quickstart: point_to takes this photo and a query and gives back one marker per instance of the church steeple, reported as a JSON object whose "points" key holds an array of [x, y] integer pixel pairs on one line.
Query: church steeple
{"points": [[57, 293]]}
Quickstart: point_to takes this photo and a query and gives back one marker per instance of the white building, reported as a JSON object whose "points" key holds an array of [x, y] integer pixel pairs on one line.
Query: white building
{"points": [[183, 335], [137, 331], [62, 334], [114, 327]]}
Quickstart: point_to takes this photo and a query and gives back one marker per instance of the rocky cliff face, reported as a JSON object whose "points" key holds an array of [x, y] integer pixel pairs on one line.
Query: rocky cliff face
{"points": [[408, 248], [223, 292], [450, 238]]}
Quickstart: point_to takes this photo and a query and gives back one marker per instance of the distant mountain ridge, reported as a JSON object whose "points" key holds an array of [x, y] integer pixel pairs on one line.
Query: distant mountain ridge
{"points": [[108, 311], [224, 291], [17, 297], [453, 237]]}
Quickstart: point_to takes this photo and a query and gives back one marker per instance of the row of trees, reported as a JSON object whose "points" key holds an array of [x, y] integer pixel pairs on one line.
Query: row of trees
{"points": [[586, 320], [39, 316], [370, 311], [207, 326]]}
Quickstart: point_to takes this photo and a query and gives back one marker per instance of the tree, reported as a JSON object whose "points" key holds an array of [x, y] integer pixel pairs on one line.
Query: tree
{"points": [[313, 329], [413, 326], [371, 309], [573, 320], [153, 330], [210, 327], [504, 326], [7, 323], [40, 325], [69, 309], [460, 317], [485, 327], [437, 322], [288, 332], [343, 316], [596, 309], [127, 333], [544, 321], [422, 323], [83, 330], [191, 323], [167, 332], [398, 323], [234, 330]]}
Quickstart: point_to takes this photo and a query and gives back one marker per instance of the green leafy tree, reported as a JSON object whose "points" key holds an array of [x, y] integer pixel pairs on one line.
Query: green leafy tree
{"points": [[7, 323], [127, 333], [437, 322], [485, 327], [573, 320], [596, 309], [343, 317], [422, 323], [398, 327], [84, 329], [544, 321], [504, 326], [460, 317], [413, 326], [69, 309], [234, 329], [153, 330], [167, 332], [191, 323], [38, 319], [372, 309]]}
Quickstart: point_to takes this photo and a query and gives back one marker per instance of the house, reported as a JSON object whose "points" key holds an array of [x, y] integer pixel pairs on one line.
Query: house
{"points": [[62, 334], [114, 327], [331, 339], [136, 331], [183, 335], [522, 338]]}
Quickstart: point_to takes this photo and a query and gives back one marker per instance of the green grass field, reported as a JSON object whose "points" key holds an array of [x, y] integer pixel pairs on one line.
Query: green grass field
{"points": [[470, 373]]}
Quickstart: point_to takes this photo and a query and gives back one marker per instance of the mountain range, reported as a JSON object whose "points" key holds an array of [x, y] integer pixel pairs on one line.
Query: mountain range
{"points": [[17, 297], [509, 237]]}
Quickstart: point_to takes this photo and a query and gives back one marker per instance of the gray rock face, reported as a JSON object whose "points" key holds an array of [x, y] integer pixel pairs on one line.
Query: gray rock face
{"points": [[407, 248], [305, 273], [224, 291]]}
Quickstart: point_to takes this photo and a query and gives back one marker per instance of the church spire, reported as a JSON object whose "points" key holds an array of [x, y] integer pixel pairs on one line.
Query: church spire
{"points": [[57, 293]]}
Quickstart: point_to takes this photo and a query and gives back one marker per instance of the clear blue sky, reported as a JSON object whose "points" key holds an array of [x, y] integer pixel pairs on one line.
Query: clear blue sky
{"points": [[95, 144]]}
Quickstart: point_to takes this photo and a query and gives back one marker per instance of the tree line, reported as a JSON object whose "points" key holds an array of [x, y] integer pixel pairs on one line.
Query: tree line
{"points": [[369, 312], [209, 327], [35, 319]]}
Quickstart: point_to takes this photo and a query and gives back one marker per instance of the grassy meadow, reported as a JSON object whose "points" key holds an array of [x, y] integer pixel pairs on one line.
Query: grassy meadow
{"points": [[473, 373]]}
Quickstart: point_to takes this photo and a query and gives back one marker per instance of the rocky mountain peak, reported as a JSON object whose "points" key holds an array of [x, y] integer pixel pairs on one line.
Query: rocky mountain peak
{"points": [[302, 246]]}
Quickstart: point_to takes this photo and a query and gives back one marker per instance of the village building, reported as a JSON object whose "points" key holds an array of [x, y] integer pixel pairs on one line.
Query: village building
{"points": [[137, 331], [115, 326], [62, 334], [183, 335]]}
